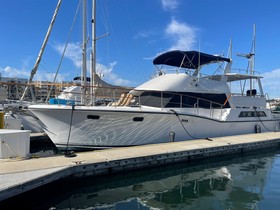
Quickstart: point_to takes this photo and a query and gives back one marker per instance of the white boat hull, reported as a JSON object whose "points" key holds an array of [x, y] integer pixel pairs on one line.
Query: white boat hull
{"points": [[102, 127]]}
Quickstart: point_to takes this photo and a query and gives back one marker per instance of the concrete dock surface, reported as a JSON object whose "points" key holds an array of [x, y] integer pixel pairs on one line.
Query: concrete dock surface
{"points": [[19, 175]]}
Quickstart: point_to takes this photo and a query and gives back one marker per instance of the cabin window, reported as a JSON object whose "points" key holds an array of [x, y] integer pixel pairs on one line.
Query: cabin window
{"points": [[185, 100], [171, 100], [150, 99], [207, 100], [252, 114]]}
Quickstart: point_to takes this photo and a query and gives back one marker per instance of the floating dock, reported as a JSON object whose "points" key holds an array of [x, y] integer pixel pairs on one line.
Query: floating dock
{"points": [[21, 175]]}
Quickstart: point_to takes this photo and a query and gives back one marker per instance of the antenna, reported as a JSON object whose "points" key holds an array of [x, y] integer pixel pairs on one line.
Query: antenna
{"points": [[251, 58], [253, 50], [229, 54]]}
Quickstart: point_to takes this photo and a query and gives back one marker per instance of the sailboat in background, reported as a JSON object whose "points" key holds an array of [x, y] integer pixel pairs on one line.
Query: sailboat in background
{"points": [[105, 93]]}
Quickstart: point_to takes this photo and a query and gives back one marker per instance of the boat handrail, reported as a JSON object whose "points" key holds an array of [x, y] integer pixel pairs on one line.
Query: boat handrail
{"points": [[245, 94], [176, 70], [244, 71], [190, 71]]}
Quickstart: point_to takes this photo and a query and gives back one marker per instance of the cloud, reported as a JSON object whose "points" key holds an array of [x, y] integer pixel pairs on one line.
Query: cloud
{"points": [[169, 4], [109, 76], [50, 76], [73, 52], [9, 71], [271, 83], [143, 34], [12, 72], [182, 35]]}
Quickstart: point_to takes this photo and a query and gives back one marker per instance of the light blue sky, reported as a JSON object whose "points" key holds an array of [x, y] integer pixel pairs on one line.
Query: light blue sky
{"points": [[139, 30]]}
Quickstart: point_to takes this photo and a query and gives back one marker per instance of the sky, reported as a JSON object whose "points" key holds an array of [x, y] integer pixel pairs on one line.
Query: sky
{"points": [[137, 32]]}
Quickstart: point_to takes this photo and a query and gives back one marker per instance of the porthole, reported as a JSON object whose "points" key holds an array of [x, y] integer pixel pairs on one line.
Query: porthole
{"points": [[138, 119], [93, 117]]}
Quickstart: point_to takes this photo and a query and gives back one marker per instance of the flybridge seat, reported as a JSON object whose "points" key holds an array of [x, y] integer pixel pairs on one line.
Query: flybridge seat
{"points": [[252, 92], [124, 100]]}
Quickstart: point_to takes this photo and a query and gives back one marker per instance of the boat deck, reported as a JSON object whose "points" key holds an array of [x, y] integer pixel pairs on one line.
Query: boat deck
{"points": [[19, 175]]}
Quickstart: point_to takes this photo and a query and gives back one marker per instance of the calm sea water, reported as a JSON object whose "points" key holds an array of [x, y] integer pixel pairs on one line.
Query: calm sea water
{"points": [[248, 182]]}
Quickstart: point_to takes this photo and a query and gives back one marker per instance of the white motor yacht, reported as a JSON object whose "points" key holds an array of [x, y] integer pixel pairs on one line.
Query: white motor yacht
{"points": [[178, 106]]}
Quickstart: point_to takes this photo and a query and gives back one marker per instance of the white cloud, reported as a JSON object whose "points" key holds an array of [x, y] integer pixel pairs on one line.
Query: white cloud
{"points": [[143, 34], [109, 76], [73, 52], [182, 35], [169, 4], [9, 71], [50, 76], [271, 83], [12, 72]]}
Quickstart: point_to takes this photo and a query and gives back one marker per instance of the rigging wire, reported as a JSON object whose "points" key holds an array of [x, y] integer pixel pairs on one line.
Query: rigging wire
{"points": [[64, 50], [104, 19], [104, 14]]}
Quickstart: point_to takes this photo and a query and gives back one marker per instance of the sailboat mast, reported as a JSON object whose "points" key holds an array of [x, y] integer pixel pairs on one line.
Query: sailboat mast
{"points": [[84, 59], [93, 53]]}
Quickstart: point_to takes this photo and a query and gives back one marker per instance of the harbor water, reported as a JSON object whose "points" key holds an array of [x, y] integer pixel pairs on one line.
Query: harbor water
{"points": [[239, 182]]}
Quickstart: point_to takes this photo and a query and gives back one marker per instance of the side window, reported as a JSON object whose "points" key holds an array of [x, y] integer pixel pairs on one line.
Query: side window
{"points": [[261, 114], [174, 100], [252, 114]]}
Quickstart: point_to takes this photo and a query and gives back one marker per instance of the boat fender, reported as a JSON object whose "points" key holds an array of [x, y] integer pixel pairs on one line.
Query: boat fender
{"points": [[172, 136], [258, 129]]}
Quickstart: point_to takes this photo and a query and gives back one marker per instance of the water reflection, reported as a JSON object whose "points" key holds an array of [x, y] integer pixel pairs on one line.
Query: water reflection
{"points": [[233, 183]]}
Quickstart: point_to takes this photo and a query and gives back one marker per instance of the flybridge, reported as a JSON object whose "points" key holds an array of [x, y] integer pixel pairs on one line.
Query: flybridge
{"points": [[187, 59]]}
